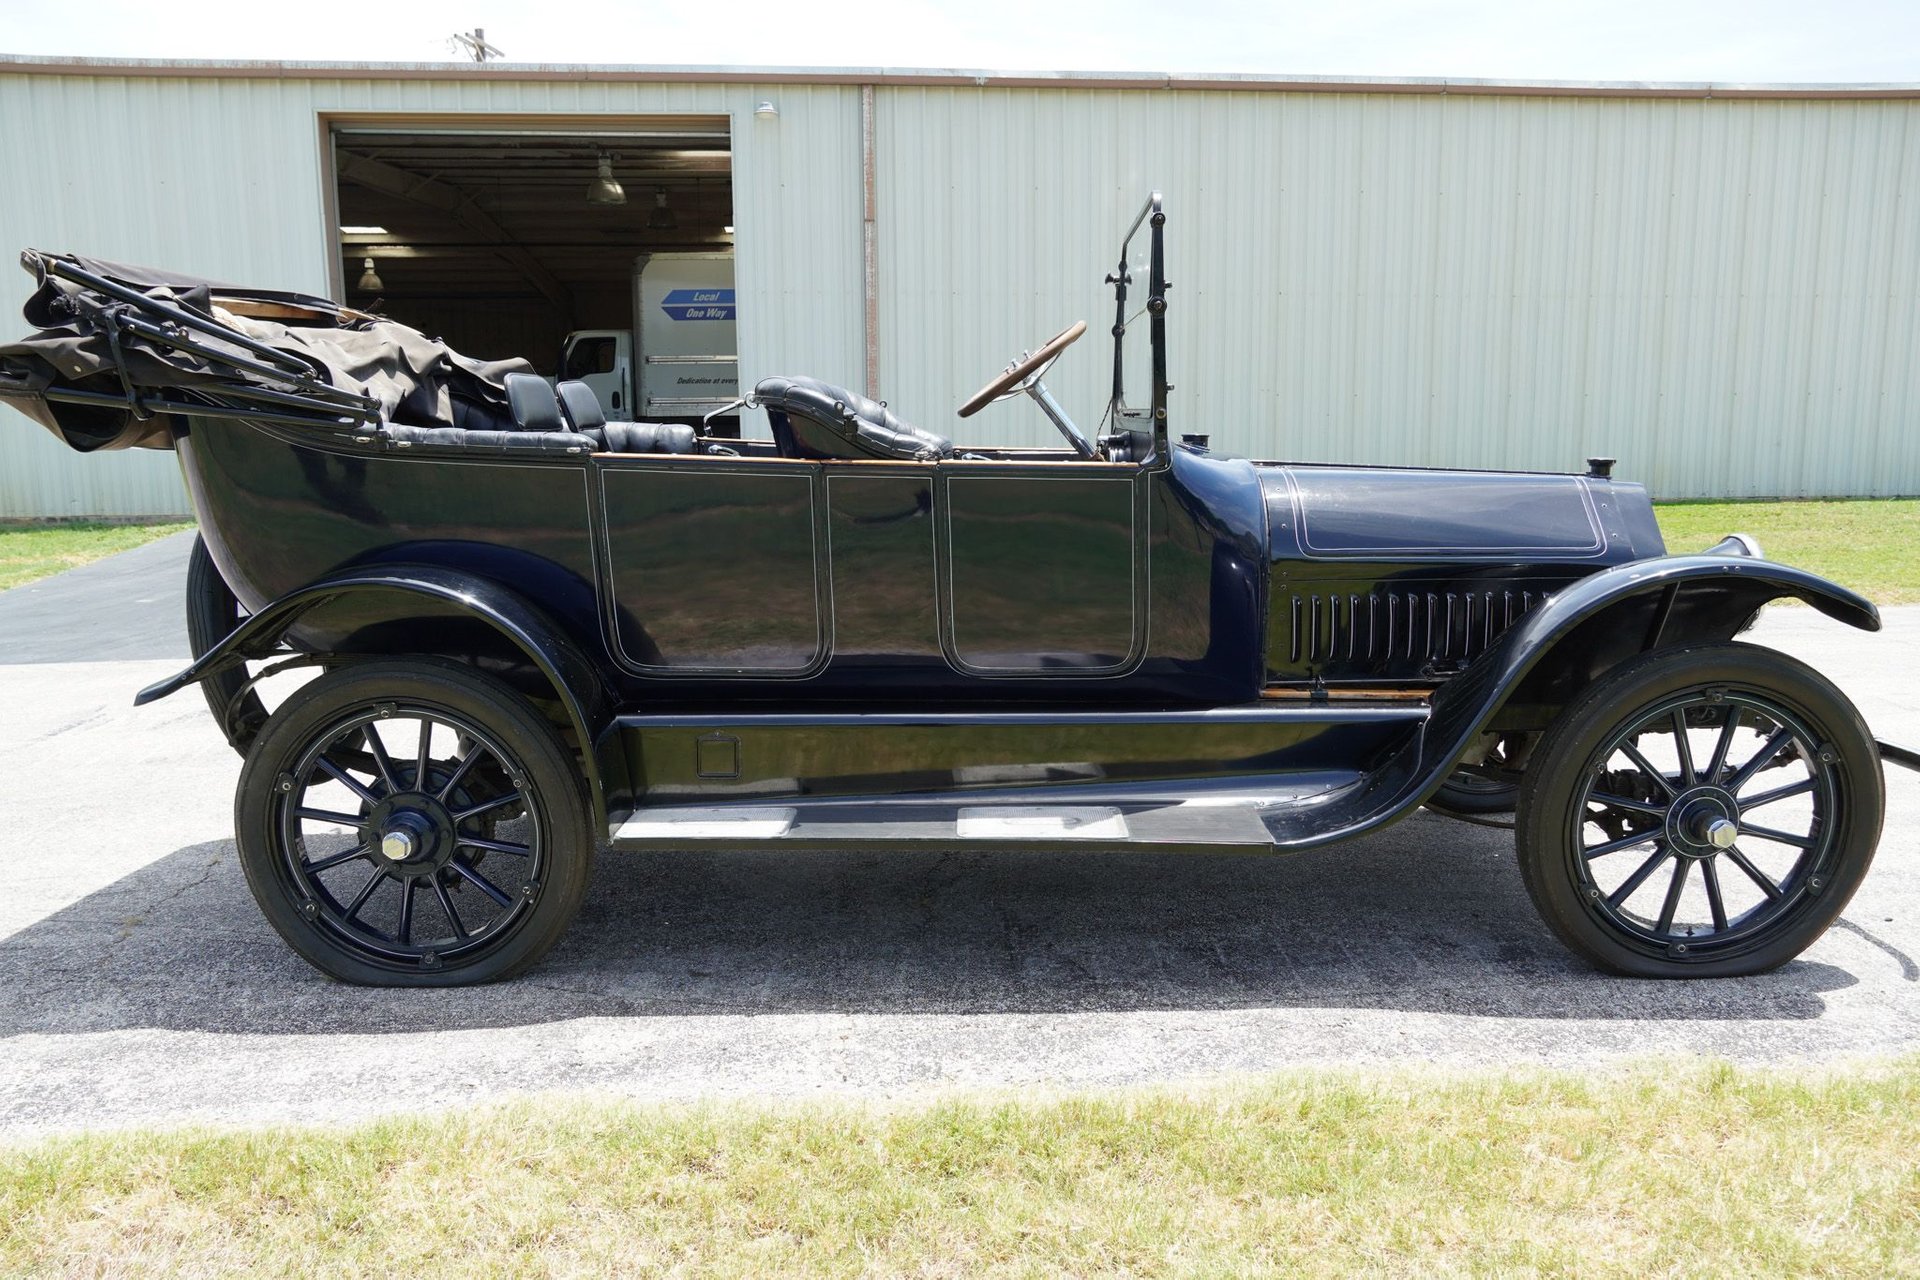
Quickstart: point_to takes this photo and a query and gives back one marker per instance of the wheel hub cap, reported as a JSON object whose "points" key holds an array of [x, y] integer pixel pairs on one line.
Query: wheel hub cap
{"points": [[412, 831], [1702, 822]]}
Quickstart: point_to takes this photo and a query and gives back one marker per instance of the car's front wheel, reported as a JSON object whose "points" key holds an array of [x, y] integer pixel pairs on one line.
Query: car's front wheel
{"points": [[1700, 812], [413, 823]]}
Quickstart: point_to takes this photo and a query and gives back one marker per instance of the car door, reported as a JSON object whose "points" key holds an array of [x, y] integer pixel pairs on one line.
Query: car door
{"points": [[713, 565], [881, 539], [1042, 567]]}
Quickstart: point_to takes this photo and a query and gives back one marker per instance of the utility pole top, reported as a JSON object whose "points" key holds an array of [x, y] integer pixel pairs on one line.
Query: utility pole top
{"points": [[474, 45]]}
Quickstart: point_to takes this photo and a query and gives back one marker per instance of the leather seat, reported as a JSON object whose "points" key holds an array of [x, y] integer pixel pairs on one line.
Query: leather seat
{"points": [[563, 420], [582, 410], [645, 437], [531, 399], [815, 419], [536, 415], [581, 406]]}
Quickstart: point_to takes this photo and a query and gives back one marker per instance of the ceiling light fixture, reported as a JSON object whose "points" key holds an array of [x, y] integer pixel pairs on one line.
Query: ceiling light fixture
{"points": [[728, 228], [370, 281], [363, 231], [606, 189], [661, 219]]}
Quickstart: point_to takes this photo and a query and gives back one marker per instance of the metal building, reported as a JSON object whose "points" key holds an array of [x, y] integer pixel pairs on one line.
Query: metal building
{"points": [[1719, 285]]}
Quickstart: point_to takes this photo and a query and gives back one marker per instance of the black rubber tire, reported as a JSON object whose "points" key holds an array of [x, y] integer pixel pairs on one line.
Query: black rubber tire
{"points": [[1471, 793], [1468, 793], [1545, 829], [551, 784], [212, 613]]}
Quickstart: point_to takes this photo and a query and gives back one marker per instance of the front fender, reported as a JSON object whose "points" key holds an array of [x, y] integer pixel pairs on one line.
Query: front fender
{"points": [[574, 679], [1685, 597], [1630, 607]]}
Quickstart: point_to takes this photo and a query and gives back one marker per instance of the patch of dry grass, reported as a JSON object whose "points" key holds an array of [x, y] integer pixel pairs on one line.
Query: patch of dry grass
{"points": [[32, 551], [1664, 1169]]}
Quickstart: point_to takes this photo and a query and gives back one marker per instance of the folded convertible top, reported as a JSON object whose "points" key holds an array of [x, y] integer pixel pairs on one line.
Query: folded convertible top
{"points": [[117, 347], [146, 278]]}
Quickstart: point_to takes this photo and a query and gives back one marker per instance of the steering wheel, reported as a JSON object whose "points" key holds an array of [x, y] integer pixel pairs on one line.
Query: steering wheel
{"points": [[1016, 375]]}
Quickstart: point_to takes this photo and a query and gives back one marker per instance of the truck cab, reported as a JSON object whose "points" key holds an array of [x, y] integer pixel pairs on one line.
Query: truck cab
{"points": [[680, 360], [603, 359]]}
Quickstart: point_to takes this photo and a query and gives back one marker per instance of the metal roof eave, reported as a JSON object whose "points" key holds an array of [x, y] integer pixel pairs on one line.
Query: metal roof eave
{"points": [[193, 68]]}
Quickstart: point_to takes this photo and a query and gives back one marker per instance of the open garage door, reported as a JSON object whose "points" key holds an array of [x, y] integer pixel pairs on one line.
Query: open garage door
{"points": [[509, 241]]}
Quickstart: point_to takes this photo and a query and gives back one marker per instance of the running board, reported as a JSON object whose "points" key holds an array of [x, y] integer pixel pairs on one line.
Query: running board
{"points": [[1222, 823]]}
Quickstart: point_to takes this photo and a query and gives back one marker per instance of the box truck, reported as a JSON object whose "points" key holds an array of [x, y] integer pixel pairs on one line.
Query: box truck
{"points": [[679, 361]]}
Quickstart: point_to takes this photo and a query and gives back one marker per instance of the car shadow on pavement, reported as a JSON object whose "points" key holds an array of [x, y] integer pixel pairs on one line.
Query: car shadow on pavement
{"points": [[1428, 918]]}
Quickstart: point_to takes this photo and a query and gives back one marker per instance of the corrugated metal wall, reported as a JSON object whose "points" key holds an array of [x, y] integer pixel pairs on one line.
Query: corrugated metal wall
{"points": [[222, 178], [1724, 294], [145, 171]]}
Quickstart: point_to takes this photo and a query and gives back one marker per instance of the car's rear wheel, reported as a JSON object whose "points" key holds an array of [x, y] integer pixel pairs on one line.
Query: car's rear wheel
{"points": [[1700, 812], [413, 823], [213, 611]]}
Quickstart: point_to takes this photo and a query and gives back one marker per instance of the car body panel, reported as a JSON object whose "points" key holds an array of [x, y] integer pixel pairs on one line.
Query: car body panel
{"points": [[1071, 756], [854, 580], [1400, 574]]}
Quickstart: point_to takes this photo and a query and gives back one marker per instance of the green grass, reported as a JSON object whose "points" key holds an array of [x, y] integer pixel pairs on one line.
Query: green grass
{"points": [[32, 551], [1673, 1168], [1871, 545]]}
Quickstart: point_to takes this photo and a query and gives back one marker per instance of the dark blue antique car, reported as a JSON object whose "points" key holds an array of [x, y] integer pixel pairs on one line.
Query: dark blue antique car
{"points": [[538, 633]]}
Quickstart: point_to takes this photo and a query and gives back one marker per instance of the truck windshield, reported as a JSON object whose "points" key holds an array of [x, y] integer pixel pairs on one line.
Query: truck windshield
{"points": [[589, 356]]}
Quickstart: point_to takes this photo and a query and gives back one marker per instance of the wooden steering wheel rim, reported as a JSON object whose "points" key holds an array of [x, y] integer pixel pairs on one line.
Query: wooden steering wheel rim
{"points": [[1024, 370]]}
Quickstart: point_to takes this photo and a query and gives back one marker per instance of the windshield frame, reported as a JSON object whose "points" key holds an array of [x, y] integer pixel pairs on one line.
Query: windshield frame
{"points": [[1153, 214]]}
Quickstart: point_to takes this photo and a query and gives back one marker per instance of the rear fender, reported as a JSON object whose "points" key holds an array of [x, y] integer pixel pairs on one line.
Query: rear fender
{"points": [[581, 696]]}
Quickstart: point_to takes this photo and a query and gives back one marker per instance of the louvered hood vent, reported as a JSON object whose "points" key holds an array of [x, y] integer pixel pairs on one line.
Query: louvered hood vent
{"points": [[1441, 630]]}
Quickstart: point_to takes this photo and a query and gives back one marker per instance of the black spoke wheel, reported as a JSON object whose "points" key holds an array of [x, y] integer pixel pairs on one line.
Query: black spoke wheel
{"points": [[413, 823], [1700, 812]]}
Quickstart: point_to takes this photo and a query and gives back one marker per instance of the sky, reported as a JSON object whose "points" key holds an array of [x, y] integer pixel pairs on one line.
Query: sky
{"points": [[1722, 40]]}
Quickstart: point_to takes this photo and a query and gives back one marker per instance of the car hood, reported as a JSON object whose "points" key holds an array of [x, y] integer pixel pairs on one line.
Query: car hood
{"points": [[1401, 514]]}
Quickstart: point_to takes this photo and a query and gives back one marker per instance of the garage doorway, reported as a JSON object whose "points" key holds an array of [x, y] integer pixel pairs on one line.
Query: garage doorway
{"points": [[504, 241]]}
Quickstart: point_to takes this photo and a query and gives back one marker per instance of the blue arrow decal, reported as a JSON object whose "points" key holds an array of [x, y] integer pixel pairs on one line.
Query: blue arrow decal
{"points": [[698, 304]]}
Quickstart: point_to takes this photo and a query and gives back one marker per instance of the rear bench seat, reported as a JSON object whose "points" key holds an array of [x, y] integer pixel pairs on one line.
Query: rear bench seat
{"points": [[545, 427], [582, 408]]}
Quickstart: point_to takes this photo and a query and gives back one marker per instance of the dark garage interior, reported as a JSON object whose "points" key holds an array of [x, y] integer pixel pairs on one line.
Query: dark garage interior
{"points": [[502, 241]]}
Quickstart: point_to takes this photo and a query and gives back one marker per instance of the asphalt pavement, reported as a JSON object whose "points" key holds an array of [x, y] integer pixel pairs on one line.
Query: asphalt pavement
{"points": [[139, 983]]}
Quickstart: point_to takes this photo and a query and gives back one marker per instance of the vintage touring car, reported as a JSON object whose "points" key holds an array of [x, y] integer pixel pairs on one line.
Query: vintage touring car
{"points": [[537, 633]]}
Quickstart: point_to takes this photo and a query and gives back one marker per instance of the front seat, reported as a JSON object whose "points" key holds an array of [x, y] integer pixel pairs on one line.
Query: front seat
{"points": [[815, 419]]}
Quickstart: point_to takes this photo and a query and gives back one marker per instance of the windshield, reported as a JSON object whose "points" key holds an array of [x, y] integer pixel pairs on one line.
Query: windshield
{"points": [[1139, 326]]}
